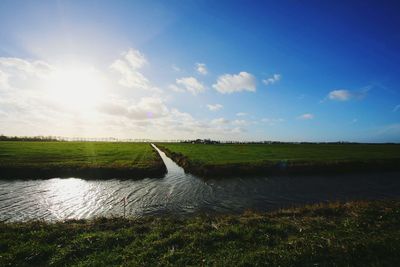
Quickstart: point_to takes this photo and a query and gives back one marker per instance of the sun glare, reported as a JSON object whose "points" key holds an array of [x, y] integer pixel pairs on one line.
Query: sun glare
{"points": [[77, 87]]}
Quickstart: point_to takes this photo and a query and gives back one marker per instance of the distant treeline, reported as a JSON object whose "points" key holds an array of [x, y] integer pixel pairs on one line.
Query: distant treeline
{"points": [[28, 138], [201, 141], [72, 139], [209, 141], [195, 141]]}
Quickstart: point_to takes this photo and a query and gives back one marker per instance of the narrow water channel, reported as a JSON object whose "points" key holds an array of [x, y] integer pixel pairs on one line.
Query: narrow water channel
{"points": [[182, 194]]}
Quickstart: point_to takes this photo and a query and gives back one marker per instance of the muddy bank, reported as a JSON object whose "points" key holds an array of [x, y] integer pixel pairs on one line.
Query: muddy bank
{"points": [[283, 167], [85, 173]]}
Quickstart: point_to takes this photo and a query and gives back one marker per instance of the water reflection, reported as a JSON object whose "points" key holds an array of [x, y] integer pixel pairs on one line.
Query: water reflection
{"points": [[56, 193], [179, 193]]}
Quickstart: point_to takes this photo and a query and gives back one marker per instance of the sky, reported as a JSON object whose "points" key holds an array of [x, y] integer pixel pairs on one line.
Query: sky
{"points": [[225, 70]]}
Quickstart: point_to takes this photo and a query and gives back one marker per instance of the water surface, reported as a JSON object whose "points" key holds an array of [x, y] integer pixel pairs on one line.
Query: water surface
{"points": [[180, 194]]}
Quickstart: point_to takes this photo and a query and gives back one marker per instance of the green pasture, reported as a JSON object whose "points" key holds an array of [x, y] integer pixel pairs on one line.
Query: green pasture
{"points": [[42, 155], [222, 154], [351, 234]]}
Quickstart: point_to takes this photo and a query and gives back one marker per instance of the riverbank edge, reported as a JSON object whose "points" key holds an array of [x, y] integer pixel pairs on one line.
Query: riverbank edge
{"points": [[358, 233], [282, 167], [157, 170]]}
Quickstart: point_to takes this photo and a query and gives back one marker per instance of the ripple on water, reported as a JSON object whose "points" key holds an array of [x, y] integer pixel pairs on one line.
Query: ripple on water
{"points": [[179, 193]]}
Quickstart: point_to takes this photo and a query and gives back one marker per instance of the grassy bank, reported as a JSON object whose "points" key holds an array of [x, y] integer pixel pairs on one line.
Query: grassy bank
{"points": [[352, 234], [242, 159], [84, 159]]}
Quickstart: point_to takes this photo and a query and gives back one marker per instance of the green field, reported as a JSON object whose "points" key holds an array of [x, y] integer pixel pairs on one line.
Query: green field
{"points": [[95, 159], [240, 158], [351, 234]]}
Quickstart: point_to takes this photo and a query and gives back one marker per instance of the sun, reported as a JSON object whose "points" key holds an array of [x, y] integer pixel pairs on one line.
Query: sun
{"points": [[76, 87]]}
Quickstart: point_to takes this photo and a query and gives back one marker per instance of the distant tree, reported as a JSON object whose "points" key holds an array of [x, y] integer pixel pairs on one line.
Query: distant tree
{"points": [[29, 138]]}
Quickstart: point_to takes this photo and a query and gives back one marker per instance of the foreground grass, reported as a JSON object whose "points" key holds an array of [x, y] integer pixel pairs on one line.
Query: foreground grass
{"points": [[250, 158], [96, 159], [352, 234]]}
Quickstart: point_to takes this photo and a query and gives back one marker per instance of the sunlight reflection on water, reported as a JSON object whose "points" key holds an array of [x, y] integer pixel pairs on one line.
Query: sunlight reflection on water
{"points": [[179, 194], [59, 195]]}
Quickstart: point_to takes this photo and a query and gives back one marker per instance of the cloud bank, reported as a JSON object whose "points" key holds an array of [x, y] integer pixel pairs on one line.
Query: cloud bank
{"points": [[33, 102]]}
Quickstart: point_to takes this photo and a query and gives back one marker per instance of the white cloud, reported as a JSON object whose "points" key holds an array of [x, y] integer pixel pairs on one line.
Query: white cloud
{"points": [[340, 95], [306, 116], [271, 80], [146, 108], [272, 121], [30, 106], [238, 130], [214, 107], [128, 67], [346, 95], [396, 108], [36, 68], [170, 122], [220, 121], [201, 68], [3, 79], [241, 114], [129, 77], [240, 122], [175, 68], [189, 84], [135, 59], [228, 83], [176, 88]]}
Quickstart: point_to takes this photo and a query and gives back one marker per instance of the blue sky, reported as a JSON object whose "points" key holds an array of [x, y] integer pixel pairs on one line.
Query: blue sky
{"points": [[269, 70]]}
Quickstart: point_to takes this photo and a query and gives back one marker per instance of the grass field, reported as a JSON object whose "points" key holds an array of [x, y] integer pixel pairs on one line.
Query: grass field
{"points": [[81, 158], [352, 234], [243, 158]]}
